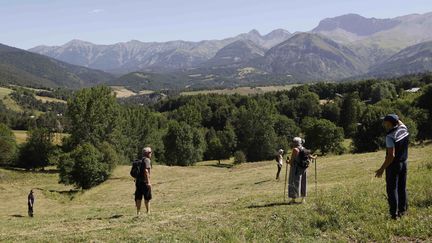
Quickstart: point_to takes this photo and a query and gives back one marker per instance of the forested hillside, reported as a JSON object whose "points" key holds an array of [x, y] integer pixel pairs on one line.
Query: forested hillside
{"points": [[186, 129], [25, 68]]}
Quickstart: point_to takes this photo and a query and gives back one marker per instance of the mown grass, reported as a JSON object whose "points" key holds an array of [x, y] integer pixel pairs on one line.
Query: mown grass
{"points": [[21, 137], [222, 203], [242, 90], [49, 99]]}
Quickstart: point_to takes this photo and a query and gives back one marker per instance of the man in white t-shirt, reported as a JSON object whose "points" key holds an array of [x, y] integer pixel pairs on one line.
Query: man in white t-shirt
{"points": [[279, 161]]}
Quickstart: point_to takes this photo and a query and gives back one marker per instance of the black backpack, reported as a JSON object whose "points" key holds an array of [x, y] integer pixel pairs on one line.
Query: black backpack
{"points": [[304, 158], [136, 168]]}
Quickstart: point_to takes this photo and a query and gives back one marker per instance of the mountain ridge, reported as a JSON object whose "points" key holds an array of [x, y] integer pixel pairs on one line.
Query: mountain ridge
{"points": [[26, 68], [135, 55]]}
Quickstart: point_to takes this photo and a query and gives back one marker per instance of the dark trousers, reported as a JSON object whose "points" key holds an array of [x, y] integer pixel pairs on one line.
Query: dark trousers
{"points": [[30, 210], [396, 177], [278, 171]]}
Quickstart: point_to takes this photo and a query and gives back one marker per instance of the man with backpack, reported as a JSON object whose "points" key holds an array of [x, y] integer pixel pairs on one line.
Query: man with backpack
{"points": [[299, 162], [141, 172], [395, 165]]}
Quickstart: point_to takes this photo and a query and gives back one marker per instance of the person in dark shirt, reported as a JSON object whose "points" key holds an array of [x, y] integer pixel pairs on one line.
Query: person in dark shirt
{"points": [[395, 165], [30, 203], [142, 183]]}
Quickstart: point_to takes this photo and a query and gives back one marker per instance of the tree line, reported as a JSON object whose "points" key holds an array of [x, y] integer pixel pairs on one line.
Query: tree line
{"points": [[186, 129]]}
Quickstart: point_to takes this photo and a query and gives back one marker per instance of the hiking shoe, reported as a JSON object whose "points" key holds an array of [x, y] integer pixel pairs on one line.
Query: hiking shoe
{"points": [[394, 217], [401, 214]]}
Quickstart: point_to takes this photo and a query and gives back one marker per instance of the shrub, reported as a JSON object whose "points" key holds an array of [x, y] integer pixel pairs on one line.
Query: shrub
{"points": [[86, 166], [239, 157]]}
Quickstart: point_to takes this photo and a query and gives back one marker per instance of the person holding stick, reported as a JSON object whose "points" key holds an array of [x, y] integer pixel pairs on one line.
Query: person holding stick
{"points": [[299, 162]]}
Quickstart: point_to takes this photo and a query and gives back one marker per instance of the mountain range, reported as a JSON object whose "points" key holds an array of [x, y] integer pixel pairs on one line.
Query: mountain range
{"points": [[151, 56], [338, 48]]}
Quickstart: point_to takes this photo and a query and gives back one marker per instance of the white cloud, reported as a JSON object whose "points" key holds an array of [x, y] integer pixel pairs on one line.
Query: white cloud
{"points": [[96, 11]]}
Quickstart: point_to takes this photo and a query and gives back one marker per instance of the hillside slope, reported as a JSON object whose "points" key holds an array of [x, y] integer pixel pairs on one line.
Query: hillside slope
{"points": [[414, 59], [313, 57], [207, 203], [29, 69], [238, 52]]}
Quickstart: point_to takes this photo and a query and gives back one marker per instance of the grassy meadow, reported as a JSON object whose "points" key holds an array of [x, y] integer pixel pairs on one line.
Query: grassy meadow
{"points": [[8, 101], [49, 99], [221, 203], [242, 90], [21, 137]]}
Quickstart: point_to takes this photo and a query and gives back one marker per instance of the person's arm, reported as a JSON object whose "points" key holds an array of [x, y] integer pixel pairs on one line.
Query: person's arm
{"points": [[30, 201], [147, 166], [147, 176], [293, 156], [388, 160]]}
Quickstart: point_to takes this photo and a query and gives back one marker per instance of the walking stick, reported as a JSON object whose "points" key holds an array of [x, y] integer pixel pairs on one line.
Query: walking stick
{"points": [[286, 181], [316, 182]]}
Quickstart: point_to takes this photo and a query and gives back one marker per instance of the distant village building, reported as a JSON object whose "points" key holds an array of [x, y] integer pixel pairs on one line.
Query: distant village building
{"points": [[413, 90]]}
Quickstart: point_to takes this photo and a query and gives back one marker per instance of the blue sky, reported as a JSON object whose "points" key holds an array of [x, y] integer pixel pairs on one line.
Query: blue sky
{"points": [[27, 23]]}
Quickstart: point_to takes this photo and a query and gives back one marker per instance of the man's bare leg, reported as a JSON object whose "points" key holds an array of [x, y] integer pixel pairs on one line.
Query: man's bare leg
{"points": [[138, 206], [147, 205]]}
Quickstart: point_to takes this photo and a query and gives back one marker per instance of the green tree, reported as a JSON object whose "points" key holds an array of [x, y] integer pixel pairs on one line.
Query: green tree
{"points": [[86, 166], [214, 146], [425, 124], [189, 114], [35, 153], [286, 127], [184, 144], [308, 104], [350, 113], [7, 145], [94, 117], [370, 134], [323, 135], [383, 90], [331, 111], [140, 128], [221, 144], [255, 132]]}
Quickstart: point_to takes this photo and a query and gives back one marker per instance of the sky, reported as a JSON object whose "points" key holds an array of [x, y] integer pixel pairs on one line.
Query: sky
{"points": [[28, 23]]}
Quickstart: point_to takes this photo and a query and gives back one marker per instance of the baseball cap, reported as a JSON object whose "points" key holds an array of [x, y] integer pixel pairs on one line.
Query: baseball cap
{"points": [[393, 118]]}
